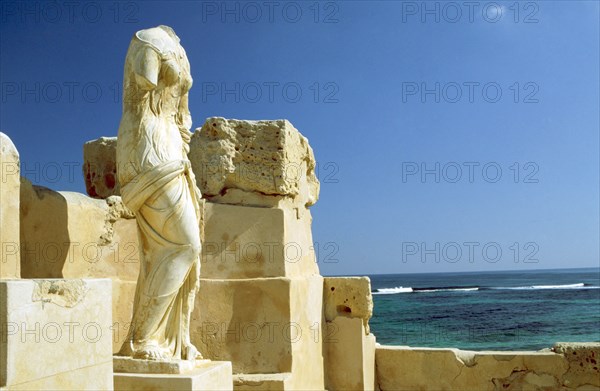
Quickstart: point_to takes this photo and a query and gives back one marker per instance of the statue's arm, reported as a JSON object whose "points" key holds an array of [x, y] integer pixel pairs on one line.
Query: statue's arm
{"points": [[146, 67], [184, 110], [185, 122]]}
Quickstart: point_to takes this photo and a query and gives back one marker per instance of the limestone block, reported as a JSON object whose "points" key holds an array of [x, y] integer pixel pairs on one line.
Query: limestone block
{"points": [[208, 376], [299, 250], [253, 162], [9, 208], [350, 297], [262, 382], [350, 359], [453, 369], [128, 364], [249, 242], [100, 167], [77, 379], [246, 322], [306, 312], [263, 326], [242, 242], [56, 334], [583, 358], [369, 345], [70, 235], [122, 308]]}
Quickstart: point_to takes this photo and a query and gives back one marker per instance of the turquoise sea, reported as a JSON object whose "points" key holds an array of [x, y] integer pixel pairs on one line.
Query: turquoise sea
{"points": [[507, 310]]}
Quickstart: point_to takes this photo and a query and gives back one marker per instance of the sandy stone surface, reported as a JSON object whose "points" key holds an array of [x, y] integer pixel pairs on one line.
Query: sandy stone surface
{"points": [[268, 159], [568, 367], [57, 334]]}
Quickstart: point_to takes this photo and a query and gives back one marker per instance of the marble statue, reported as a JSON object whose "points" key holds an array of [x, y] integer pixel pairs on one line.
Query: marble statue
{"points": [[158, 185]]}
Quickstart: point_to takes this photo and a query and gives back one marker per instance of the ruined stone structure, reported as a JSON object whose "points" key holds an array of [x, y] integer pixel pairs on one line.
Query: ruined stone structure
{"points": [[263, 317], [567, 366], [262, 305], [54, 333], [259, 272]]}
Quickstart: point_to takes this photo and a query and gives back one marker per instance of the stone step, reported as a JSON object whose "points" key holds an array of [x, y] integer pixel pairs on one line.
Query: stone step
{"points": [[207, 376], [262, 381]]}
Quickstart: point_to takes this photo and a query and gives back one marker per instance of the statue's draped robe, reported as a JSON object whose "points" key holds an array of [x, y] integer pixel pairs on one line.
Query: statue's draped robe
{"points": [[157, 184]]}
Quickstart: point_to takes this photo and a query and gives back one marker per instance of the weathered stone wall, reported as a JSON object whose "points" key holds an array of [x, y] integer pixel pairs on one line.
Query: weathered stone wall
{"points": [[583, 360], [55, 334], [9, 208], [567, 366], [70, 235], [259, 177]]}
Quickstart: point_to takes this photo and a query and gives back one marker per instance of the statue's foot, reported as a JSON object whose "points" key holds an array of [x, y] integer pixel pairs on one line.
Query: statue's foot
{"points": [[191, 353], [125, 351], [151, 352]]}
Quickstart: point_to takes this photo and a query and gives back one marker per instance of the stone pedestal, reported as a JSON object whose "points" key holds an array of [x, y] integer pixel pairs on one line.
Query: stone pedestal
{"points": [[126, 364], [208, 375], [55, 334]]}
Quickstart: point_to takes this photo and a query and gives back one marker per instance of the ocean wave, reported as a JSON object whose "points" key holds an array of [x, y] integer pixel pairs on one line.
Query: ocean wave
{"points": [[468, 289], [401, 289], [391, 291], [579, 285]]}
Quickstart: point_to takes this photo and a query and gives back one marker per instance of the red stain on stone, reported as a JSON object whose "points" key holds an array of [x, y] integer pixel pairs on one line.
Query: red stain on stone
{"points": [[88, 181], [109, 181], [92, 192]]}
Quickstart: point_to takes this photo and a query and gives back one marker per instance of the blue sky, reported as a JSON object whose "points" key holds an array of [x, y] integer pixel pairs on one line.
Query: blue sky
{"points": [[396, 98]]}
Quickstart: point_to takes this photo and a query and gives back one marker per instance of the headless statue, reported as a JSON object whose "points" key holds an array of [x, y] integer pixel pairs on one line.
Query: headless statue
{"points": [[158, 185]]}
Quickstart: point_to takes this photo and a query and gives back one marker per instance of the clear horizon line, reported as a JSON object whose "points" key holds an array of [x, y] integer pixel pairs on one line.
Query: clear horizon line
{"points": [[455, 272]]}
